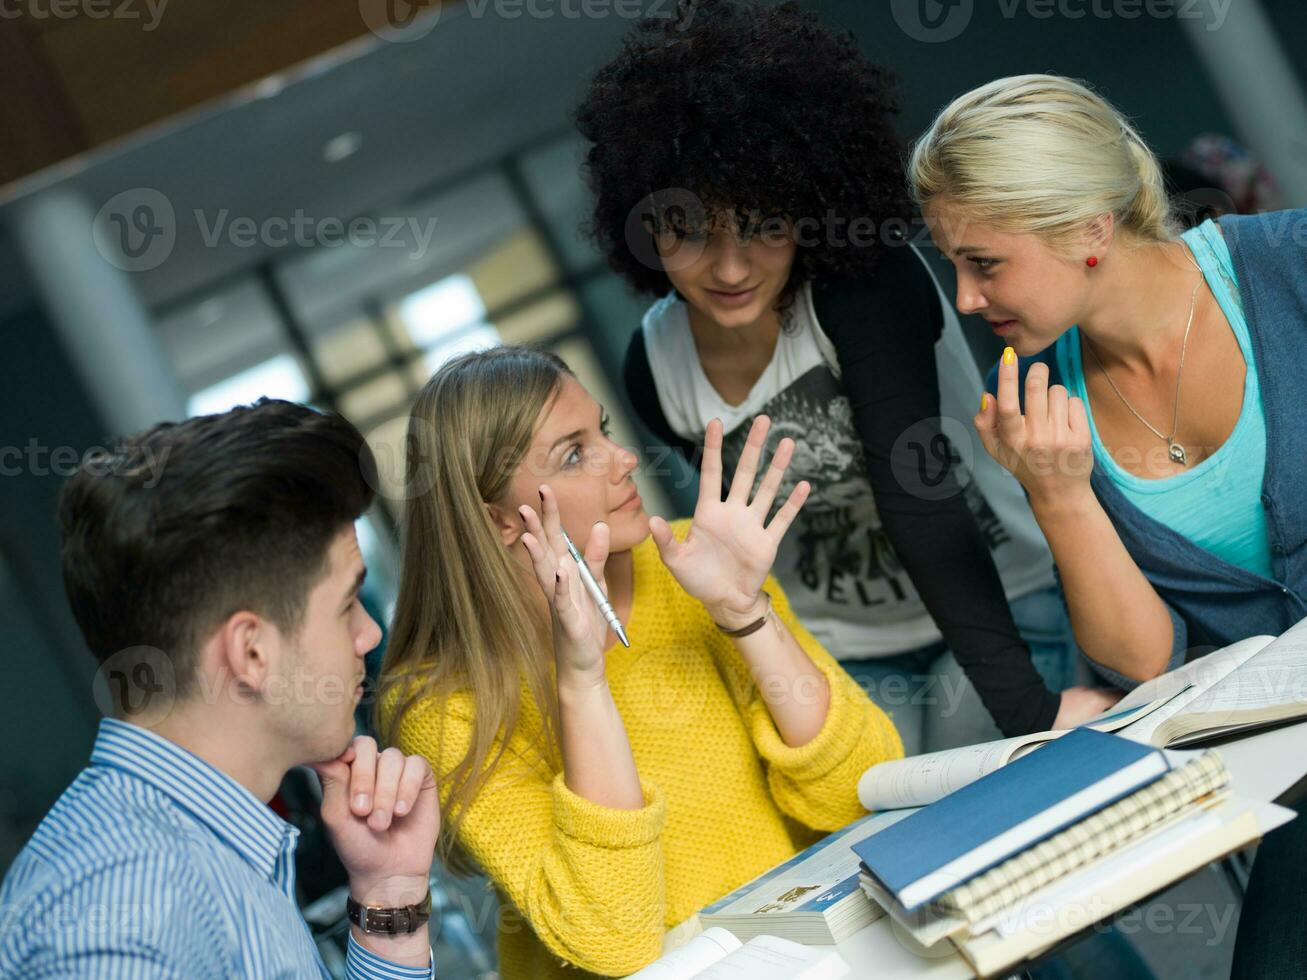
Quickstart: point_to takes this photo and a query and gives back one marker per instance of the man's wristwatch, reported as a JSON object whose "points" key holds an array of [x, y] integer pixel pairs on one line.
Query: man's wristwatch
{"points": [[388, 921]]}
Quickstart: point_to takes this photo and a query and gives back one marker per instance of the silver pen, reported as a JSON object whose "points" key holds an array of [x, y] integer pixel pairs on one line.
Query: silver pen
{"points": [[596, 591]]}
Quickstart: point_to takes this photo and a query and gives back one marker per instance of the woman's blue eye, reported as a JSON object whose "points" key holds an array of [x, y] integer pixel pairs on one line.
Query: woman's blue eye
{"points": [[985, 264], [573, 456]]}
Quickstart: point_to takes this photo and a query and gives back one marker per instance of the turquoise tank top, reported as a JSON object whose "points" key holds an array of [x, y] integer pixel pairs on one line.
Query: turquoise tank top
{"points": [[1217, 504]]}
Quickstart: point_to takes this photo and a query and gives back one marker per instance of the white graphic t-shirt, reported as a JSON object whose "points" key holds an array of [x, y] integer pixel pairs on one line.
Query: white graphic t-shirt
{"points": [[836, 563]]}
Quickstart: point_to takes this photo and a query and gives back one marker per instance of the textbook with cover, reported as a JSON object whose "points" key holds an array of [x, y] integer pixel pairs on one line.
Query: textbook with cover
{"points": [[1006, 812], [1250, 684], [814, 897]]}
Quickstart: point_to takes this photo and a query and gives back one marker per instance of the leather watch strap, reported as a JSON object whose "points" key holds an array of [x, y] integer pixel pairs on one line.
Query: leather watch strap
{"points": [[389, 921]]}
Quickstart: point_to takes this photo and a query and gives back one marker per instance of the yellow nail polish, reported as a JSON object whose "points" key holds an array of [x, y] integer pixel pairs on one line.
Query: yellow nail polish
{"points": [[1009, 356], [984, 402]]}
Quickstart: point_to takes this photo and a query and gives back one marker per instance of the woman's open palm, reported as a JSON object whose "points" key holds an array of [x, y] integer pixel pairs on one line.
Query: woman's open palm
{"points": [[729, 549]]}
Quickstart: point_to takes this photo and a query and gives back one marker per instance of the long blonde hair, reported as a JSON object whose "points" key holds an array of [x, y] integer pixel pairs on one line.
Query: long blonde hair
{"points": [[1045, 155], [462, 620]]}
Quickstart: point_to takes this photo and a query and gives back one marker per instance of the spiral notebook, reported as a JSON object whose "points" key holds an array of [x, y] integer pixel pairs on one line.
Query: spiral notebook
{"points": [[1078, 845]]}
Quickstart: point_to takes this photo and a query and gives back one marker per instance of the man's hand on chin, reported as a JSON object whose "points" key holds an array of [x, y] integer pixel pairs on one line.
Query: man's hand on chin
{"points": [[382, 812]]}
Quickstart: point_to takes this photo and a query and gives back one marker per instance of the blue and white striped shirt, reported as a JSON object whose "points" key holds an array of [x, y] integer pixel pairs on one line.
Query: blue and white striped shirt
{"points": [[153, 864]]}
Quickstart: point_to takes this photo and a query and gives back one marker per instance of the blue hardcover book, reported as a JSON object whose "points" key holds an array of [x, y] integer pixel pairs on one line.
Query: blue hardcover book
{"points": [[969, 831]]}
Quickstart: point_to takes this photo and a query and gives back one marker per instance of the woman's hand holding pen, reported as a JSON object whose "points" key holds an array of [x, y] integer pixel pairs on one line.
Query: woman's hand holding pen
{"points": [[597, 759], [580, 630], [730, 549]]}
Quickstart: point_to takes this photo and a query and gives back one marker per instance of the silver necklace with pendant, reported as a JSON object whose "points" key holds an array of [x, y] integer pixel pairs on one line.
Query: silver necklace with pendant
{"points": [[1175, 450]]}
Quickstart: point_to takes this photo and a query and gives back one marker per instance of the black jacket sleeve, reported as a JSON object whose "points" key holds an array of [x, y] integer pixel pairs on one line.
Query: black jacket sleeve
{"points": [[884, 332], [643, 395]]}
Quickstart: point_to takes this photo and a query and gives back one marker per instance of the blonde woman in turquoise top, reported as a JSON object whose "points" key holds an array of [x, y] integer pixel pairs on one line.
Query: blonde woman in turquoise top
{"points": [[1052, 209], [1169, 480], [1216, 503]]}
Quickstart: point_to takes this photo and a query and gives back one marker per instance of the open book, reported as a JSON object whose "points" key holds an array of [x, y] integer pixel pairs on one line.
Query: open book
{"points": [[1255, 682], [715, 954]]}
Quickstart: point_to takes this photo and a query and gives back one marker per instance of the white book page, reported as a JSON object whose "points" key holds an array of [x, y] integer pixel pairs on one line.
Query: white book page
{"points": [[922, 779], [686, 962], [1275, 675], [1191, 684], [1201, 673], [772, 958]]}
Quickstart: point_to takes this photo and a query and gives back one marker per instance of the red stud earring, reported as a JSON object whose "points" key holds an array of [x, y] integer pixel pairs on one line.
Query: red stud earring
{"points": [[1091, 261]]}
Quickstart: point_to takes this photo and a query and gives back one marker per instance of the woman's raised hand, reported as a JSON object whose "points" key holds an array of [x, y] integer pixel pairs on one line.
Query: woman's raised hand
{"points": [[1048, 449], [579, 628], [729, 550]]}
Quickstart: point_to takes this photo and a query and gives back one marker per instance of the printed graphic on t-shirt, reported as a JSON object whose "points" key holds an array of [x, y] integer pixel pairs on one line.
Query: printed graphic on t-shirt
{"points": [[836, 551]]}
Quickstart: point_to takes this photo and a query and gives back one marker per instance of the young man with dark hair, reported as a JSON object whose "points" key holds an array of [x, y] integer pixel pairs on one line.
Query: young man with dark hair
{"points": [[221, 599]]}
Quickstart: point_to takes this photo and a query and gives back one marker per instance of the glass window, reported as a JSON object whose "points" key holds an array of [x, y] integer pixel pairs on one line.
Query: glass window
{"points": [[415, 245], [432, 315], [348, 349], [373, 399], [388, 441], [514, 269], [277, 377], [222, 334], [555, 313]]}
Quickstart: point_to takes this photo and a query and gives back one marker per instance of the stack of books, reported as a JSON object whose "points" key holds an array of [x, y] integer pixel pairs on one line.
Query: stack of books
{"points": [[1004, 849], [1017, 860]]}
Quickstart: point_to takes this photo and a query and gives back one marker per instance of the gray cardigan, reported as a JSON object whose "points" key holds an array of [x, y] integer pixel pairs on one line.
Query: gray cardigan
{"points": [[1212, 602]]}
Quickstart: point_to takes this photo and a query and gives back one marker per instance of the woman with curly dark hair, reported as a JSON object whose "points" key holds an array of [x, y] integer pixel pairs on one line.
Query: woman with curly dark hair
{"points": [[745, 169]]}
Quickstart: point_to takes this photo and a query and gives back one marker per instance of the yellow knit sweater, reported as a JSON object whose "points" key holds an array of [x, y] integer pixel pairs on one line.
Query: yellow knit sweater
{"points": [[725, 797]]}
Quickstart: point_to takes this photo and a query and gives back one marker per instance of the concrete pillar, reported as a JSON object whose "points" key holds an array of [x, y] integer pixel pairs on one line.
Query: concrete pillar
{"points": [[1258, 87], [84, 285]]}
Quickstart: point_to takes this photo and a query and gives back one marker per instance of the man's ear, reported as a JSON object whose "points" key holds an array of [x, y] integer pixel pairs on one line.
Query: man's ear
{"points": [[508, 524], [243, 650]]}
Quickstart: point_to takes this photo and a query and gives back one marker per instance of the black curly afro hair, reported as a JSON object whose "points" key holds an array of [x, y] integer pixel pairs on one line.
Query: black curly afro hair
{"points": [[755, 109]]}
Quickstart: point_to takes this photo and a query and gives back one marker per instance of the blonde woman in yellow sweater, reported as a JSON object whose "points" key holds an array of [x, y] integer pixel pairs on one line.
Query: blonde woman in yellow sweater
{"points": [[634, 785]]}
